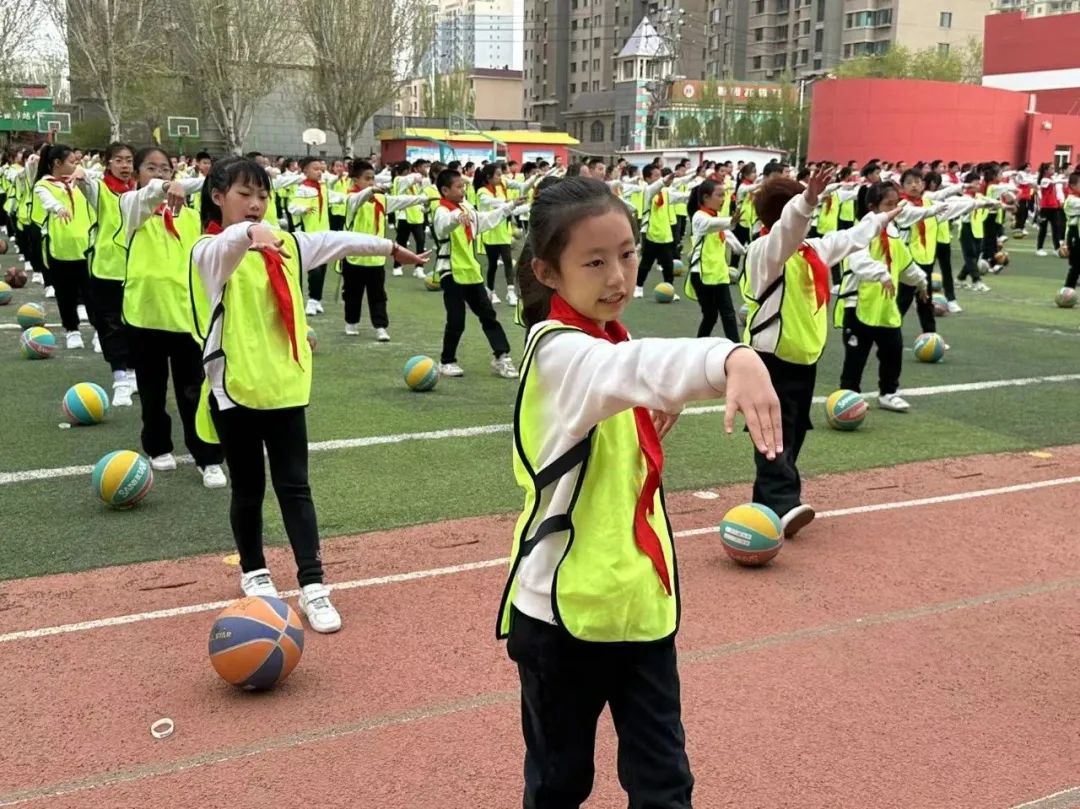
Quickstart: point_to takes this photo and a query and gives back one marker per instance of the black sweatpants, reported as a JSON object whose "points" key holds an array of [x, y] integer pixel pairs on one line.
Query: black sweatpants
{"points": [[680, 233], [944, 262], [407, 229], [906, 294], [31, 245], [153, 352], [715, 301], [244, 434], [742, 233], [108, 299], [1023, 211], [659, 252], [455, 298], [4, 214], [565, 684], [778, 484], [1054, 219], [858, 340], [496, 253], [991, 231], [336, 220], [316, 280], [71, 280], [355, 281], [971, 249], [1072, 239]]}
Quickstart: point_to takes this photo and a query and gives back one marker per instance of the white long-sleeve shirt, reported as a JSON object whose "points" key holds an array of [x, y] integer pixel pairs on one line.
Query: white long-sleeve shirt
{"points": [[139, 205], [446, 222]]}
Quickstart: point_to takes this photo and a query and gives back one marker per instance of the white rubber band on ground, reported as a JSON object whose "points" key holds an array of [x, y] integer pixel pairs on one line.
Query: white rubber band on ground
{"points": [[163, 728]]}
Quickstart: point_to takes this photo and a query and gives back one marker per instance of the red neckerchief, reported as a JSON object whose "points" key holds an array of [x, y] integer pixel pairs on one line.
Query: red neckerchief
{"points": [[165, 212], [380, 209], [318, 190], [118, 186], [454, 207], [918, 203], [63, 183], [713, 213], [886, 248], [829, 202], [279, 285], [644, 535], [820, 270], [658, 200]]}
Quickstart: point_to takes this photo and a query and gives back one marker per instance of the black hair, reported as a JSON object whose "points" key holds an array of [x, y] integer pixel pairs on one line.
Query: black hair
{"points": [[844, 173], [910, 173], [870, 168], [483, 176], [423, 161], [454, 165], [145, 152], [747, 170], [203, 156], [224, 174], [698, 194], [803, 174], [306, 161], [554, 212], [51, 153], [878, 191], [650, 172], [1074, 178], [358, 167], [446, 179], [253, 155], [113, 149], [527, 168], [594, 161]]}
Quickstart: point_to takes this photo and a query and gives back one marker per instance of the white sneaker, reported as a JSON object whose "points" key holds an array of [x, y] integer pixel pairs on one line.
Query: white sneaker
{"points": [[163, 463], [450, 369], [945, 346], [133, 381], [213, 476], [1041, 253], [983, 265], [74, 340], [892, 401], [966, 285], [352, 329], [81, 311], [96, 343], [315, 605], [504, 366], [676, 297], [797, 519], [319, 307], [494, 297], [121, 393], [382, 335], [397, 272], [258, 583], [312, 308], [980, 287], [639, 292], [511, 297], [37, 277], [955, 308], [50, 292], [418, 272], [1002, 239]]}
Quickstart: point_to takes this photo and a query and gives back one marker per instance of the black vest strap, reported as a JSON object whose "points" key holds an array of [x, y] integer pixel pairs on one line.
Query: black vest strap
{"points": [[552, 525], [574, 456]]}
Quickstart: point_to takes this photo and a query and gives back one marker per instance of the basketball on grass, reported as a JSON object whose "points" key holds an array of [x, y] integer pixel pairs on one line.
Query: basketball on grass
{"points": [[751, 534], [845, 410], [664, 292], [85, 403], [15, 277], [421, 373], [929, 348], [256, 643], [1065, 298], [941, 305], [936, 281], [432, 283], [122, 478], [30, 314], [38, 343], [5, 293], [312, 339], [678, 267]]}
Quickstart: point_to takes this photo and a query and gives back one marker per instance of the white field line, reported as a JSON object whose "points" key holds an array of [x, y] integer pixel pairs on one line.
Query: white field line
{"points": [[492, 429], [452, 570]]}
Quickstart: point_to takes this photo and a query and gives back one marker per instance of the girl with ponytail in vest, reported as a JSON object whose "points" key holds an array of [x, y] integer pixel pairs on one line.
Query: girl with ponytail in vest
{"points": [[65, 233], [108, 260], [164, 310], [310, 209], [709, 279], [258, 367], [592, 409], [787, 287]]}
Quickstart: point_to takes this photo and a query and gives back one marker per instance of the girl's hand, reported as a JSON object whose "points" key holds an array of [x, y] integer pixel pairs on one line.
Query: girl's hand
{"points": [[78, 174], [924, 294], [816, 183], [663, 422], [750, 392], [889, 288], [737, 216], [400, 254], [263, 238], [64, 215], [175, 198]]}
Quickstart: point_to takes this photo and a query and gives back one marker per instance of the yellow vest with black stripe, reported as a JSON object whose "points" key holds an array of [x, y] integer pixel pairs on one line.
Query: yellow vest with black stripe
{"points": [[708, 256], [749, 213], [340, 186], [804, 325], [66, 241], [364, 222], [433, 202], [248, 337], [605, 589], [500, 234], [873, 308], [847, 210], [829, 218], [414, 215], [160, 292], [637, 199], [978, 219], [108, 256], [657, 224], [924, 251], [24, 200], [459, 249], [315, 218]]}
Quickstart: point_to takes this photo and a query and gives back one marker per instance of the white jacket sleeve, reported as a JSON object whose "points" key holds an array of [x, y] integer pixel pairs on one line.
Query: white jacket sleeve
{"points": [[139, 205], [913, 276], [325, 247], [834, 247], [771, 251], [217, 258], [866, 268], [48, 201]]}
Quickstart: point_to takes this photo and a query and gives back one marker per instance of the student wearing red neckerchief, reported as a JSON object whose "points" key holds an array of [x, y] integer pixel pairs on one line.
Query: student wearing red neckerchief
{"points": [[310, 209]]}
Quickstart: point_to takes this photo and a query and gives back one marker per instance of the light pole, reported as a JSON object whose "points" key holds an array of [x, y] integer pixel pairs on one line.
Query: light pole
{"points": [[805, 80]]}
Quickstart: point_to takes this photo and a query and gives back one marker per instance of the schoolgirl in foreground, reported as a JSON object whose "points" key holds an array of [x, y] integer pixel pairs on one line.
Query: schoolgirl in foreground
{"points": [[591, 411], [258, 367]]}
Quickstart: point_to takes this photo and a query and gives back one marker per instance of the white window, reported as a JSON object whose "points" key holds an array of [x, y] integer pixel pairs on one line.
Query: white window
{"points": [[945, 19]]}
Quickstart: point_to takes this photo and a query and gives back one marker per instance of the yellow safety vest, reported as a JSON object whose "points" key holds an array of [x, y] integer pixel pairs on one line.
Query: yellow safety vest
{"points": [[315, 218], [459, 249], [605, 589], [803, 325], [708, 255], [923, 249], [160, 291], [500, 234], [107, 252], [340, 186], [829, 218], [637, 199], [658, 226], [65, 241], [847, 210], [872, 307], [370, 218]]}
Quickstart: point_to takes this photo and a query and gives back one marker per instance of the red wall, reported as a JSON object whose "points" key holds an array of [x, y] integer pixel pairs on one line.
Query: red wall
{"points": [[1059, 102], [910, 120], [1014, 43], [1041, 142]]}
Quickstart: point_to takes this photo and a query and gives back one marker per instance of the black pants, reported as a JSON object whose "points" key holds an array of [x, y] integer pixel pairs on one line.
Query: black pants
{"points": [[715, 300], [407, 229], [316, 280], [658, 252], [71, 280], [906, 294], [108, 303], [1053, 218], [495, 253], [32, 250], [858, 340], [844, 224], [742, 233], [3, 212], [778, 484], [680, 233], [455, 297], [153, 353], [336, 220], [991, 231], [944, 262], [1072, 239], [565, 684], [1023, 211], [244, 433], [357, 280], [970, 248]]}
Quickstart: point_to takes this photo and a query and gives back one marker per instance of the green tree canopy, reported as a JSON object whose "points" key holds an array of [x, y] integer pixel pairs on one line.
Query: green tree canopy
{"points": [[957, 64]]}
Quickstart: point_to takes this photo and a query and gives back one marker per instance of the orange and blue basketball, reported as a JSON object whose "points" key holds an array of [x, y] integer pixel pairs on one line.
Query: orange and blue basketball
{"points": [[37, 343], [845, 410], [256, 643], [122, 478], [1065, 298], [421, 373], [431, 282], [929, 347], [5, 293], [751, 534], [664, 292], [86, 403], [312, 338], [30, 314]]}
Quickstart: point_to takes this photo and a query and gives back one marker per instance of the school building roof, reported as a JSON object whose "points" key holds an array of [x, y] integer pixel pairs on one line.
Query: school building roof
{"points": [[503, 135]]}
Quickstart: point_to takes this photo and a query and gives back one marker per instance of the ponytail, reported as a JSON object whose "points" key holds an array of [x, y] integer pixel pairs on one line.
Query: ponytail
{"points": [[698, 193]]}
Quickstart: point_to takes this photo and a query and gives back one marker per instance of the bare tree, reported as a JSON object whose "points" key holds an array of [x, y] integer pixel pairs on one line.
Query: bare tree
{"points": [[232, 52], [112, 45], [20, 20], [363, 53]]}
